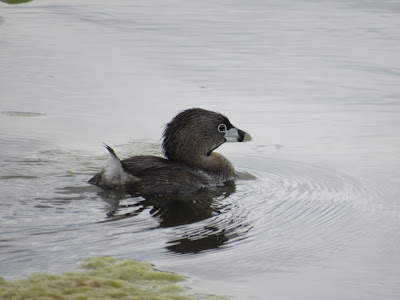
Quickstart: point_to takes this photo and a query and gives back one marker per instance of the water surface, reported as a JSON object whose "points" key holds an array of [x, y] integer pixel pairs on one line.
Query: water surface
{"points": [[315, 211]]}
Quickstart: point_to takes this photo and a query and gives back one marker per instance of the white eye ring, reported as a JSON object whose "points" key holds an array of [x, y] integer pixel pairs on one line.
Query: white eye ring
{"points": [[222, 127]]}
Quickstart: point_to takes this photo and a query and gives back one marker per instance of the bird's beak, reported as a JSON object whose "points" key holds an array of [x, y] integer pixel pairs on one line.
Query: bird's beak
{"points": [[236, 135]]}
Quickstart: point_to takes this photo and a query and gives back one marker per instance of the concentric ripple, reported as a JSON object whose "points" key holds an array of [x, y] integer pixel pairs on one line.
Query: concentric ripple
{"points": [[291, 215]]}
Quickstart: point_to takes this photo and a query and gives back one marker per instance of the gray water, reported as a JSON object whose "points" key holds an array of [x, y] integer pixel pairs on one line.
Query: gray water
{"points": [[316, 84]]}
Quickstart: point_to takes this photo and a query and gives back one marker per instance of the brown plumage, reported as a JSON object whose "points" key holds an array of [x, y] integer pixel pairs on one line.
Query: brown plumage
{"points": [[189, 141]]}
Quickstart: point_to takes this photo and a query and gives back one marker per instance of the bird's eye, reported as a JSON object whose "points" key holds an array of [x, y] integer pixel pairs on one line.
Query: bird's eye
{"points": [[222, 127]]}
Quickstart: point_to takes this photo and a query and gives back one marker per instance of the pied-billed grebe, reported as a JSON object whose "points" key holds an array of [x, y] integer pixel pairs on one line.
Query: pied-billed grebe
{"points": [[189, 141]]}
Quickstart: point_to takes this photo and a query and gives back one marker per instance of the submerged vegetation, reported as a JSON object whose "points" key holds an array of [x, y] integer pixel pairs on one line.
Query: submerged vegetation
{"points": [[99, 278]]}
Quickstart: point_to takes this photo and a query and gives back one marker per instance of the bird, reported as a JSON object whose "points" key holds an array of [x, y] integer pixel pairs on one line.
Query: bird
{"points": [[190, 162]]}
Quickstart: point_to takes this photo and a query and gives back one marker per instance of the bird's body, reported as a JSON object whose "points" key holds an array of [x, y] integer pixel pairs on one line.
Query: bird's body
{"points": [[190, 163]]}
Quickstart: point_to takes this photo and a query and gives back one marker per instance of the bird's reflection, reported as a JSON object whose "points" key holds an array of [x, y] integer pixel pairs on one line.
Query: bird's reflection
{"points": [[214, 238], [171, 211]]}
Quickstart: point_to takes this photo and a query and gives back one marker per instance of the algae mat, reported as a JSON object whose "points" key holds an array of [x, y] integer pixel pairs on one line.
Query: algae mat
{"points": [[101, 278]]}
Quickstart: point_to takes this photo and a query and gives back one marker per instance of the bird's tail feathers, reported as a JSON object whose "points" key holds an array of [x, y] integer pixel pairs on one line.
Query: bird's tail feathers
{"points": [[114, 170]]}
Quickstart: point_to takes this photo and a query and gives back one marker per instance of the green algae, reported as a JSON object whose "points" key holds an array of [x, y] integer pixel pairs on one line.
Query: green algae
{"points": [[99, 278], [15, 1]]}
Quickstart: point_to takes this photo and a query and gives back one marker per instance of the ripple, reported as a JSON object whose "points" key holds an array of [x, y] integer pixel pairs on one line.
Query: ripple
{"points": [[291, 215], [21, 114]]}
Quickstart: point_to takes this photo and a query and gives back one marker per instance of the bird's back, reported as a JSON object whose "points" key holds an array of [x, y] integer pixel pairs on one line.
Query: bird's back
{"points": [[152, 175], [157, 175]]}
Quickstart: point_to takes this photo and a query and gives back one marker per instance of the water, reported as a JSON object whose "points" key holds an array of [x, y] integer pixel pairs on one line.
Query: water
{"points": [[315, 83]]}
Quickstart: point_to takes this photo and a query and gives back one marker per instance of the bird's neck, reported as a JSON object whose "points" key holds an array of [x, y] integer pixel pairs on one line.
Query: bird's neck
{"points": [[216, 164]]}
